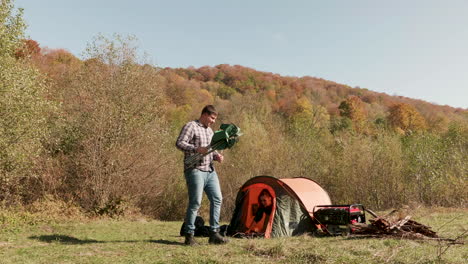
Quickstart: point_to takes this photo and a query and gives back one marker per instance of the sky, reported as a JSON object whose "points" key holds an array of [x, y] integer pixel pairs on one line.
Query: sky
{"points": [[416, 48]]}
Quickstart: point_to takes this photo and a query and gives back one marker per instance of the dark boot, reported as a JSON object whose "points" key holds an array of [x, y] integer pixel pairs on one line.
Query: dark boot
{"points": [[216, 238], [190, 240]]}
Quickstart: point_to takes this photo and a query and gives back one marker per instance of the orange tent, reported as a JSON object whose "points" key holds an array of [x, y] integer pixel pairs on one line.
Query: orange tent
{"points": [[291, 212]]}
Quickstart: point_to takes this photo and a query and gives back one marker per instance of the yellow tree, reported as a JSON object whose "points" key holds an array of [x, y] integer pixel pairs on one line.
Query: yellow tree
{"points": [[307, 115], [354, 109]]}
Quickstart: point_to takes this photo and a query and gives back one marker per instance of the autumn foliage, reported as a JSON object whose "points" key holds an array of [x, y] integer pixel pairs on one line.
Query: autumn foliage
{"points": [[406, 118], [354, 109], [29, 48], [107, 124]]}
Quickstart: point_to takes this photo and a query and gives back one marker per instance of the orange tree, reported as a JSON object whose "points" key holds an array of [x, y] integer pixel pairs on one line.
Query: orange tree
{"points": [[404, 117]]}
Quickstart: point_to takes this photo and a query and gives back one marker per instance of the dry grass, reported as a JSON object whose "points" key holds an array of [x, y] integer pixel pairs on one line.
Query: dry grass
{"points": [[33, 240]]}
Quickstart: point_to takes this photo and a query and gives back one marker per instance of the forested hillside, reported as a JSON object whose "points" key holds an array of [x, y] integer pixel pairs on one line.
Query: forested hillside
{"points": [[99, 131]]}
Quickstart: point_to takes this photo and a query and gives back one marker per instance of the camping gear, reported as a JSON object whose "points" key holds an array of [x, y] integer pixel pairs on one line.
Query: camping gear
{"points": [[337, 219], [201, 230], [224, 138], [294, 200]]}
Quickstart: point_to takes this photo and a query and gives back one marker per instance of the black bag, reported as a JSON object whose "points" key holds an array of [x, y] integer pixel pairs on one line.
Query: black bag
{"points": [[200, 229]]}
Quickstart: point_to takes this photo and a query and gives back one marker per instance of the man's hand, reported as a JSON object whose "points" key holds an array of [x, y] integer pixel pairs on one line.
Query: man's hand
{"points": [[202, 150], [219, 158]]}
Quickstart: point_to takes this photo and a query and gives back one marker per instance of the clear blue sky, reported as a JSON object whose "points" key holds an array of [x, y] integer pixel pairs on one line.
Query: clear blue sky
{"points": [[416, 48]]}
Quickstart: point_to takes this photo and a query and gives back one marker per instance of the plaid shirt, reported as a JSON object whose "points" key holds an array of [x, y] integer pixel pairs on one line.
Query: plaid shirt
{"points": [[193, 135]]}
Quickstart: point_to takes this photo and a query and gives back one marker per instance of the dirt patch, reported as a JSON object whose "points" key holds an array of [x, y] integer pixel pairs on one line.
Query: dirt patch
{"points": [[4, 244]]}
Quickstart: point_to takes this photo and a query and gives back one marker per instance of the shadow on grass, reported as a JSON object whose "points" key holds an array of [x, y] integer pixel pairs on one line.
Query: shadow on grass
{"points": [[166, 242], [64, 239]]}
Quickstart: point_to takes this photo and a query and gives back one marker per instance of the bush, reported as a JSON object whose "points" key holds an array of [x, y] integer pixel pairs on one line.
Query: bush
{"points": [[111, 146]]}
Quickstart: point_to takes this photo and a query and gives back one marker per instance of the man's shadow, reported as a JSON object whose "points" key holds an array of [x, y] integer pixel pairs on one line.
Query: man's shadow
{"points": [[69, 240]]}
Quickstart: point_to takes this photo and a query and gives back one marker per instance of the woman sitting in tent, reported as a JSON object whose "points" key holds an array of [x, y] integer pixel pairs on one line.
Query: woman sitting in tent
{"points": [[265, 200]]}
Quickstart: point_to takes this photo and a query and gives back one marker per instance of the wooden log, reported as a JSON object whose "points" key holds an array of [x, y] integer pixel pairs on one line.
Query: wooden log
{"points": [[371, 212], [400, 223]]}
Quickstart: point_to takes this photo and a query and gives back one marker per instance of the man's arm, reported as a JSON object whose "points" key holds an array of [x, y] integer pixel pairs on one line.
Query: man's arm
{"points": [[186, 134]]}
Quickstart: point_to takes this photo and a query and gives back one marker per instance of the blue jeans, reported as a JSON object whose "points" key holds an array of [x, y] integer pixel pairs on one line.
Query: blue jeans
{"points": [[197, 182]]}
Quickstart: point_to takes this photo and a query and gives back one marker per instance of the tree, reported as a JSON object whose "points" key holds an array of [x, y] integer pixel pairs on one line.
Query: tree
{"points": [[354, 109], [28, 49], [406, 118], [307, 116], [115, 109], [12, 28], [23, 107]]}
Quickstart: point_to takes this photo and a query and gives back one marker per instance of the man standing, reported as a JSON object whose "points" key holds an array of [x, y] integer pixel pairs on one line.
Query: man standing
{"points": [[195, 137]]}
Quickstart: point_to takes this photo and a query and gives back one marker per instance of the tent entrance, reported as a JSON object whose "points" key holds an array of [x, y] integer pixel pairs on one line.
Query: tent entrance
{"points": [[251, 206]]}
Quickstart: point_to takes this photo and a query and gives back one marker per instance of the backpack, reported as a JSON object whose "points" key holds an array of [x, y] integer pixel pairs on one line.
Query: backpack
{"points": [[200, 229]]}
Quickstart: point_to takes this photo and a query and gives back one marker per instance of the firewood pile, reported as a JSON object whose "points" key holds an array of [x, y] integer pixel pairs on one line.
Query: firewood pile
{"points": [[401, 228], [398, 226]]}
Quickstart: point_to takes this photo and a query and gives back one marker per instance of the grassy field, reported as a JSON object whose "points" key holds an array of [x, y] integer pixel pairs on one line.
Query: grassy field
{"points": [[26, 238]]}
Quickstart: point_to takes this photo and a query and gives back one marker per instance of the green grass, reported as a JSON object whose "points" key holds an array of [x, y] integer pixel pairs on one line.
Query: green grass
{"points": [[25, 238]]}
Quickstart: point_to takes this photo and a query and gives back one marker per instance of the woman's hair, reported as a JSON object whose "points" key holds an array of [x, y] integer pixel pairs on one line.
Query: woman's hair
{"points": [[264, 192]]}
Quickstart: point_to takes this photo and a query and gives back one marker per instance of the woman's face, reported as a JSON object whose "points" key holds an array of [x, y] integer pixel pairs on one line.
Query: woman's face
{"points": [[265, 200]]}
